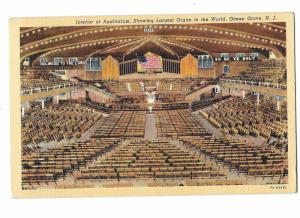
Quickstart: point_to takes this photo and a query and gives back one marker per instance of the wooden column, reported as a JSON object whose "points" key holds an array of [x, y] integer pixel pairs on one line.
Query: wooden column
{"points": [[189, 67], [110, 69]]}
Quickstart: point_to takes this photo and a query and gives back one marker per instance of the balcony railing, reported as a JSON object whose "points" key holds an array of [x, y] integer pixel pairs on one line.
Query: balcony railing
{"points": [[102, 91], [255, 83], [49, 88]]}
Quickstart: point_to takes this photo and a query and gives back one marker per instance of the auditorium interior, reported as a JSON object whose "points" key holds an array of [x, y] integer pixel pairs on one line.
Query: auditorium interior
{"points": [[153, 105]]}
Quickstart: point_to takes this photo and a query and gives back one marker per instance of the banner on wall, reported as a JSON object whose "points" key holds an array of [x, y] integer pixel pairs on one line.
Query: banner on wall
{"points": [[245, 58]]}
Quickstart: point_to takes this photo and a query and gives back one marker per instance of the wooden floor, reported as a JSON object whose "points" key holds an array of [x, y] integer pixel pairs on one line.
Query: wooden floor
{"points": [[150, 127]]}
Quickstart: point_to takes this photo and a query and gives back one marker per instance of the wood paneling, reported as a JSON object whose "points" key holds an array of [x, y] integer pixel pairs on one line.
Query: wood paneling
{"points": [[188, 67], [207, 73], [110, 69]]}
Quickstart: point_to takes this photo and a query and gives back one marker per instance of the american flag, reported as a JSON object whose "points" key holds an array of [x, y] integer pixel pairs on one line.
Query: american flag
{"points": [[149, 61]]}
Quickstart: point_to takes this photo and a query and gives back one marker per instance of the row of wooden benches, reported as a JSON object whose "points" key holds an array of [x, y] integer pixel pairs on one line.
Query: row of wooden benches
{"points": [[242, 116], [174, 123], [244, 158], [141, 159], [55, 123]]}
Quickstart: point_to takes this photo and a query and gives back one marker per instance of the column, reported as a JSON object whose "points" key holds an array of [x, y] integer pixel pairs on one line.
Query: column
{"points": [[257, 98], [22, 110], [278, 104], [57, 99], [243, 94], [43, 103], [27, 105]]}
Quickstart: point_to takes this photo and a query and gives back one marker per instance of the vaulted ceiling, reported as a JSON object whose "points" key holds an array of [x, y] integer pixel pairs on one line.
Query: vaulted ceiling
{"points": [[171, 41]]}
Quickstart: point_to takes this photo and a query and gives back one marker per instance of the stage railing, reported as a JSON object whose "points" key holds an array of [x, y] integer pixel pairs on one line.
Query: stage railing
{"points": [[128, 67], [171, 66]]}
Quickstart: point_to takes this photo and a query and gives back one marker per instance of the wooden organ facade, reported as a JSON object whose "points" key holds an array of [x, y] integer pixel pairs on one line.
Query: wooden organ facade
{"points": [[110, 69]]}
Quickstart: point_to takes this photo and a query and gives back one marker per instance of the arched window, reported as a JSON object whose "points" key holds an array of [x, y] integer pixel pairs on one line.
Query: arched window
{"points": [[200, 61], [73, 61], [209, 61], [43, 61], [26, 61], [205, 61], [58, 61], [93, 64]]}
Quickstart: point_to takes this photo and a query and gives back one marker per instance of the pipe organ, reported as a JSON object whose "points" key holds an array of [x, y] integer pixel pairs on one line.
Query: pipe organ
{"points": [[171, 66], [128, 67]]}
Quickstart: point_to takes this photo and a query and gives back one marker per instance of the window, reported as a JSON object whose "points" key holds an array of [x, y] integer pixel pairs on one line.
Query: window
{"points": [[93, 64], [60, 72], [58, 61], [224, 55], [26, 61], [205, 61], [43, 61], [200, 61], [73, 61], [226, 69], [240, 55], [255, 54]]}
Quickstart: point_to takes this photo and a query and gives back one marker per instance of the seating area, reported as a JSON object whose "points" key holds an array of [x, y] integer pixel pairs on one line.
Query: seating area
{"points": [[116, 86], [173, 85], [185, 85], [64, 121], [174, 123], [129, 102], [251, 160], [103, 145], [206, 102], [170, 97], [97, 106], [31, 79], [159, 102], [244, 117], [184, 153], [122, 124], [46, 167], [163, 100], [149, 160], [272, 70]]}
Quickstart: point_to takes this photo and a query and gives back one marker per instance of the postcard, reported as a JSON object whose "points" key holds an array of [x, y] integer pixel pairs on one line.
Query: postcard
{"points": [[153, 105]]}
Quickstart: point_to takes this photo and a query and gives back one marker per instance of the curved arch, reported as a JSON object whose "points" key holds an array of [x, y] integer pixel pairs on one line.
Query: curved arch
{"points": [[166, 48], [75, 44], [190, 46], [112, 47], [274, 49]]}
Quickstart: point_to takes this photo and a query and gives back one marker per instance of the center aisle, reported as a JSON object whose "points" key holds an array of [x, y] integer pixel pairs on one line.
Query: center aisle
{"points": [[150, 127]]}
